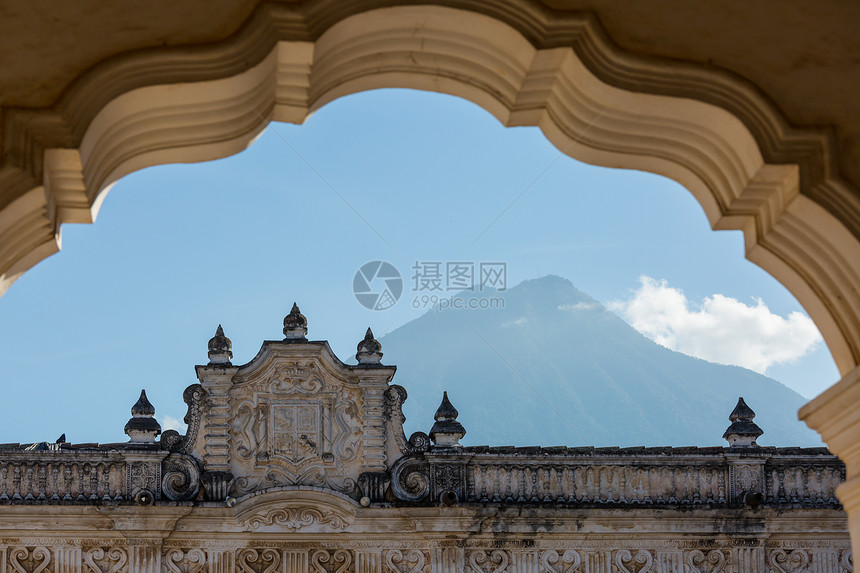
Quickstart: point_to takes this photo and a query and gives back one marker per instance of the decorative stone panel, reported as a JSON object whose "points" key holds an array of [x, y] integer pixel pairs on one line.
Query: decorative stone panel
{"points": [[295, 416]]}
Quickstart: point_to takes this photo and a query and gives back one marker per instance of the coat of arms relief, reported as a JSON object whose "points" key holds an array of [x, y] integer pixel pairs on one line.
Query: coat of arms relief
{"points": [[295, 424]]}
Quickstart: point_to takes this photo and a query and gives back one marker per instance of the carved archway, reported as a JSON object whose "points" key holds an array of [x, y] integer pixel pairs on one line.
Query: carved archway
{"points": [[712, 133]]}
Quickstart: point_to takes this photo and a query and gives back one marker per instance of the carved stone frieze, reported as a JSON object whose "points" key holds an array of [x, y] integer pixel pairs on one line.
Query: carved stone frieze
{"points": [[488, 556]]}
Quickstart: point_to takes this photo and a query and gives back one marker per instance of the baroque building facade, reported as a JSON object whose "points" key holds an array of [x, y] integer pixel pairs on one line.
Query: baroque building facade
{"points": [[297, 461], [751, 107]]}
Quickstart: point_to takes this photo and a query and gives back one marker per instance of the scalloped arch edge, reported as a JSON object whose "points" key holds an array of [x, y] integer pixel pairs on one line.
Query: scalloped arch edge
{"points": [[484, 60]]}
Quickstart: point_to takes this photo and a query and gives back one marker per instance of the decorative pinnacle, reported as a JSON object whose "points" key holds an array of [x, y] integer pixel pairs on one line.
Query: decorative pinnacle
{"points": [[220, 348], [295, 324], [142, 428], [143, 408], [446, 411], [743, 431], [369, 349], [447, 431]]}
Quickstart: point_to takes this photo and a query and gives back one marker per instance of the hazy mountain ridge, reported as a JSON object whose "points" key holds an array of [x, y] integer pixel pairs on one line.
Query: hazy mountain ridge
{"points": [[613, 385]]}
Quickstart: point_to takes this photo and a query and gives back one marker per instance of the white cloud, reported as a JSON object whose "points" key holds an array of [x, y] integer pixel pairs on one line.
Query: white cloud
{"points": [[518, 322], [171, 423], [722, 329], [582, 305]]}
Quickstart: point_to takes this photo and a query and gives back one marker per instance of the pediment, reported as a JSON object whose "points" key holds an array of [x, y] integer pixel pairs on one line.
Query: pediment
{"points": [[295, 416], [282, 362]]}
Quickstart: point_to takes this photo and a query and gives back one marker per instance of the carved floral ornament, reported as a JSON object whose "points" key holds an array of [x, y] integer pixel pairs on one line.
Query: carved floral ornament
{"points": [[105, 560], [296, 518], [24, 560], [176, 560]]}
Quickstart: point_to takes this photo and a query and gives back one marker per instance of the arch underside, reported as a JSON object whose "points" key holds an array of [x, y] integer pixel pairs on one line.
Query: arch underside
{"points": [[195, 105]]}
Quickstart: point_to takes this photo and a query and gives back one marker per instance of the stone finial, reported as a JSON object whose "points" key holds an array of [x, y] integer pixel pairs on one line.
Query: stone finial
{"points": [[743, 431], [295, 325], [447, 431], [142, 428], [369, 349], [220, 348]]}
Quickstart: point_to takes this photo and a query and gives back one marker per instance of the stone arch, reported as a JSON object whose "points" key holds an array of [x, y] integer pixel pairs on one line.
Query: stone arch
{"points": [[714, 133], [152, 108]]}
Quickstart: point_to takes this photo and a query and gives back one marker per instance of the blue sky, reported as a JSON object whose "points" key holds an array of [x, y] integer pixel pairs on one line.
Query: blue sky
{"points": [[390, 175]]}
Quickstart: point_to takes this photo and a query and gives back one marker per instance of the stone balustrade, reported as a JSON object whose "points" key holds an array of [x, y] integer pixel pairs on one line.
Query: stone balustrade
{"points": [[579, 476], [77, 475], [599, 483], [631, 476], [805, 481]]}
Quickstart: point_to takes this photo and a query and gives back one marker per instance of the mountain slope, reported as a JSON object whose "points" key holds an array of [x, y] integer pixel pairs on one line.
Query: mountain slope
{"points": [[554, 367]]}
